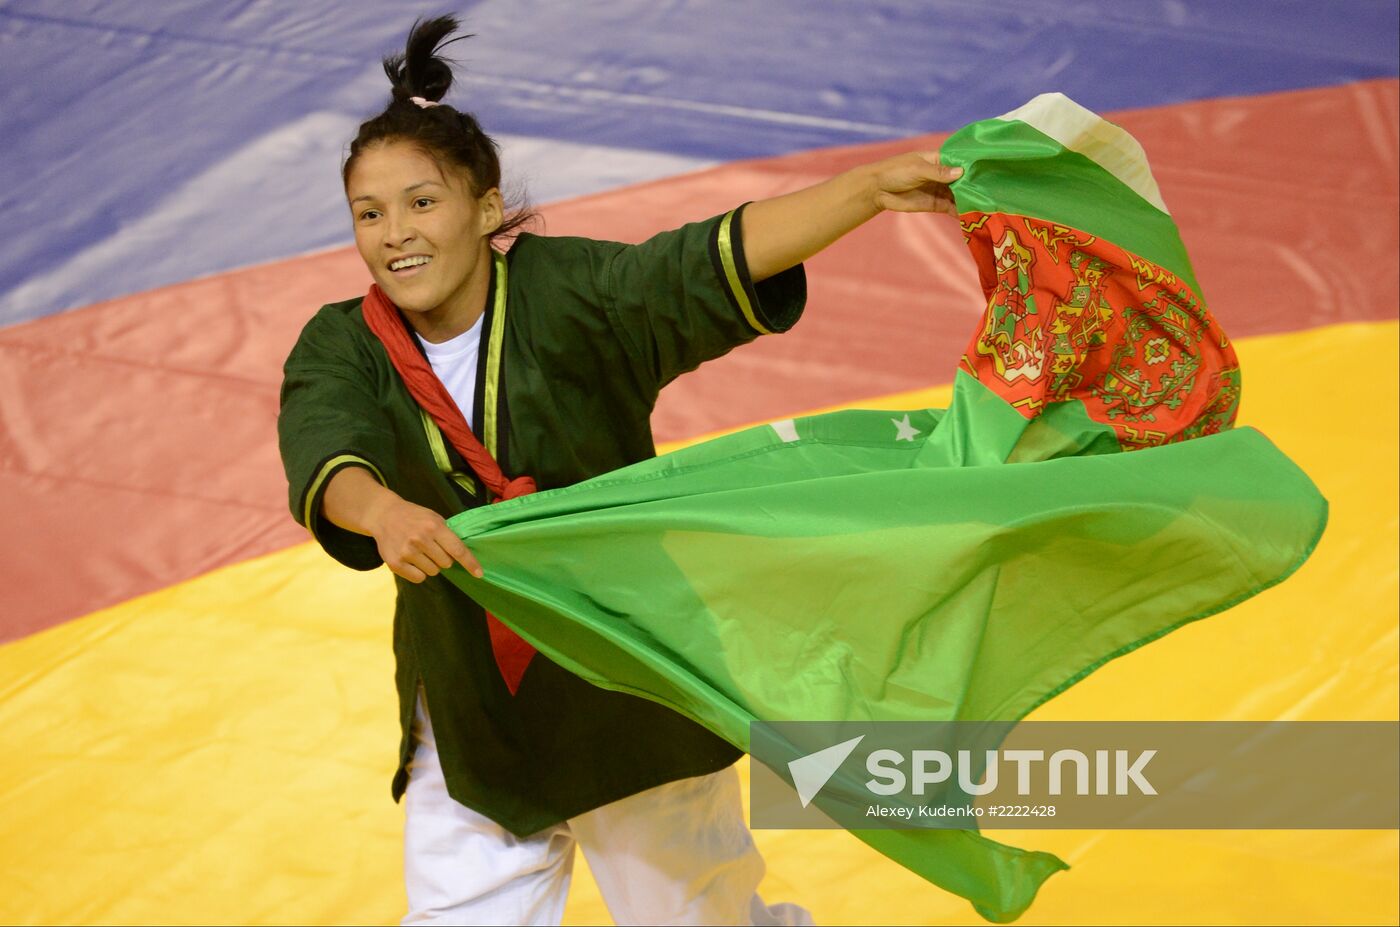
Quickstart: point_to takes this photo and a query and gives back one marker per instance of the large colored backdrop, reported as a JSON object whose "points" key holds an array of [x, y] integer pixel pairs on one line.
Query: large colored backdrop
{"points": [[196, 705]]}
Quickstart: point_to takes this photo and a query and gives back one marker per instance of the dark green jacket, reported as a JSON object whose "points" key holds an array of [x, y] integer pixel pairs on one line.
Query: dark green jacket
{"points": [[575, 348]]}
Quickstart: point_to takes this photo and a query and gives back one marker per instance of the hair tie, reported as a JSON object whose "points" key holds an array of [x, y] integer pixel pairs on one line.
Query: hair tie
{"points": [[424, 102]]}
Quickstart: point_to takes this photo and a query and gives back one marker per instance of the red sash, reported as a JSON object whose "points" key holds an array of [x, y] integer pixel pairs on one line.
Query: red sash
{"points": [[512, 653]]}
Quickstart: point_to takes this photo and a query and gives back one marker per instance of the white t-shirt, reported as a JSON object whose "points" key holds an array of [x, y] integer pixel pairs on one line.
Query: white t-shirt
{"points": [[454, 362]]}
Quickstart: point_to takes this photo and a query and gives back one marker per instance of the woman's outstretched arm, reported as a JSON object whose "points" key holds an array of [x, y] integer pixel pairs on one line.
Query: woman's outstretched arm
{"points": [[786, 230]]}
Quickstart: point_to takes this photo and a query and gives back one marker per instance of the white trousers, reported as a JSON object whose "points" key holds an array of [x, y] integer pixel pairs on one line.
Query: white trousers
{"points": [[679, 853]]}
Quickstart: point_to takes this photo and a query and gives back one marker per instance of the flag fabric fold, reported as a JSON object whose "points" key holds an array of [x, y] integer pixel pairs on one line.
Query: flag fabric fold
{"points": [[1084, 494]]}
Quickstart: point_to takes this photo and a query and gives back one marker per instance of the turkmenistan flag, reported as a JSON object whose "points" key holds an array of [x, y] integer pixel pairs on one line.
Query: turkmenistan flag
{"points": [[937, 565]]}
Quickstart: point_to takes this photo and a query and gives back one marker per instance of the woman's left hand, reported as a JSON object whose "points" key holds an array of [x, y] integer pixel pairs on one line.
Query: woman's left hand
{"points": [[914, 182]]}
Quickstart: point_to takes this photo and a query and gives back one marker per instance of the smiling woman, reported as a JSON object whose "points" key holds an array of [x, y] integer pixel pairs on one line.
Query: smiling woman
{"points": [[423, 181], [464, 363], [424, 234]]}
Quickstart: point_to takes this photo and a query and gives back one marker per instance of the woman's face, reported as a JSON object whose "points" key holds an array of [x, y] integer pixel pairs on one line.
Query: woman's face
{"points": [[421, 231]]}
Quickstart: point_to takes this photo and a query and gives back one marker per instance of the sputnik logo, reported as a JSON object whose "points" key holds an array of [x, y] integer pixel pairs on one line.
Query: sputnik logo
{"points": [[811, 772]]}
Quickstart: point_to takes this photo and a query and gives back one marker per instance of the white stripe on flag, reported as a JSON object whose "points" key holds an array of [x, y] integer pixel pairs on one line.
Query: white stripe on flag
{"points": [[1097, 139]]}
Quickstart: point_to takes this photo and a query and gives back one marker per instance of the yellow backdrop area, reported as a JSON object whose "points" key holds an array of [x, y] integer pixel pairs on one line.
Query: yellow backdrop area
{"points": [[220, 751]]}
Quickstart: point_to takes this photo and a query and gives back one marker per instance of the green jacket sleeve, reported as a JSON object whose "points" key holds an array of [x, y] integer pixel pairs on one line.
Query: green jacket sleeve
{"points": [[329, 420], [685, 296]]}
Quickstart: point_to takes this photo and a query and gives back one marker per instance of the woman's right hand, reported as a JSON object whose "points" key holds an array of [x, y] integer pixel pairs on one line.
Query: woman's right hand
{"points": [[413, 541]]}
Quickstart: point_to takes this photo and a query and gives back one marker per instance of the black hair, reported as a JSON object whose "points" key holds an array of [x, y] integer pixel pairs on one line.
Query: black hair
{"points": [[446, 134]]}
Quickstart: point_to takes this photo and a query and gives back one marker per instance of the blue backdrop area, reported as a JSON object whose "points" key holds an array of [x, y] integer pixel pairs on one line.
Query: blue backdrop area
{"points": [[181, 138]]}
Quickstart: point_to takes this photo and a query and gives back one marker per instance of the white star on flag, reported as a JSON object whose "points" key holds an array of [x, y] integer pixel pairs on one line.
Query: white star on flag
{"points": [[907, 432]]}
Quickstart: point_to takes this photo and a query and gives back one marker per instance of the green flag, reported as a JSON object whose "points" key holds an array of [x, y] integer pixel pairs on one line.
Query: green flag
{"points": [[940, 565]]}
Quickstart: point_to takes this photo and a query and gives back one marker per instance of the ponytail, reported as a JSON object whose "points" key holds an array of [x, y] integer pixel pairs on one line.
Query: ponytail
{"points": [[419, 78]]}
